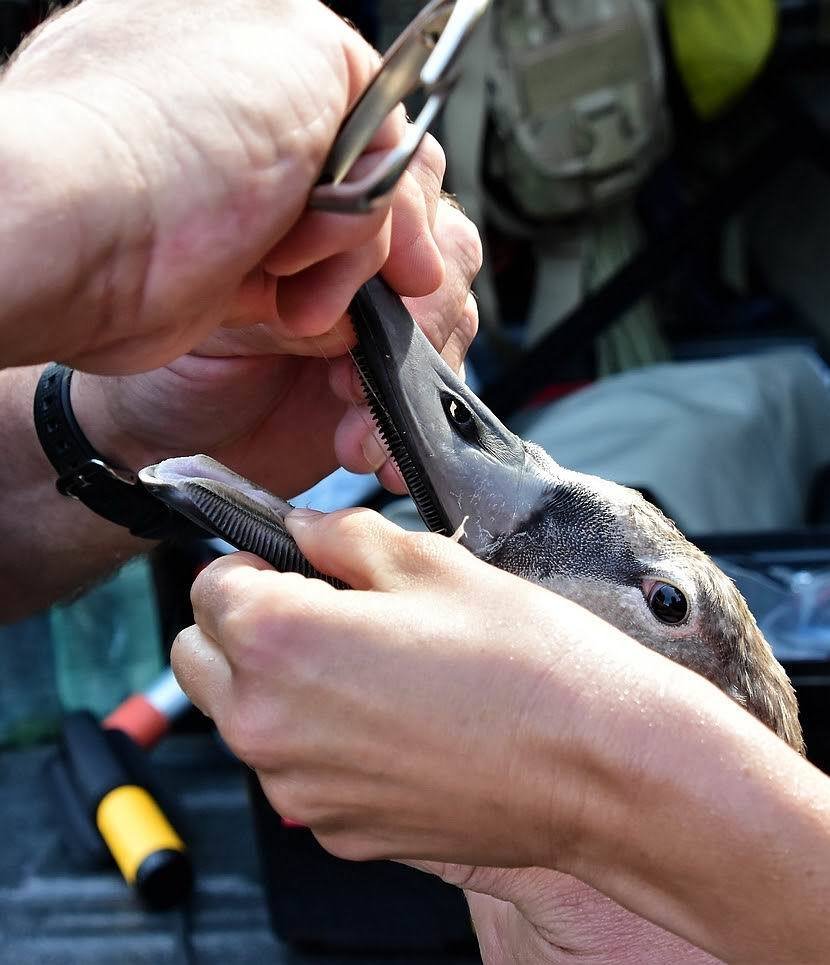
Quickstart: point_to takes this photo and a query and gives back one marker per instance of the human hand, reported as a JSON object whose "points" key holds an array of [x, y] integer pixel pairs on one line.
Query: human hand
{"points": [[541, 916], [191, 135], [271, 415], [269, 647], [444, 710]]}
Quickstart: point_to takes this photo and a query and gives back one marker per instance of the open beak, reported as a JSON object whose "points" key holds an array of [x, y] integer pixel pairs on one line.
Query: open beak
{"points": [[231, 507], [463, 468], [465, 471]]}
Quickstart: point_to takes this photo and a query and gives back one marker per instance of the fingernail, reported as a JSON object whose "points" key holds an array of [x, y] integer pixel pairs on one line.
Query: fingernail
{"points": [[373, 453], [299, 519]]}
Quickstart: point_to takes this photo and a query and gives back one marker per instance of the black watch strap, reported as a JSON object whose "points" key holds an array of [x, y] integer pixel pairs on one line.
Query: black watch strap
{"points": [[113, 493]]}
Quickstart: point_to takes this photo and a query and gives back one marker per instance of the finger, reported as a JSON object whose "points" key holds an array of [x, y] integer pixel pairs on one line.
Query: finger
{"points": [[357, 442], [362, 548], [311, 302], [345, 381], [448, 316], [202, 670], [389, 476], [260, 617], [428, 167], [224, 588], [359, 448], [415, 264], [319, 235], [449, 312], [461, 337]]}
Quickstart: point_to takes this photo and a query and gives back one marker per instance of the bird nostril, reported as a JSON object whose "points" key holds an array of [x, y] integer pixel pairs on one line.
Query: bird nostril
{"points": [[667, 603]]}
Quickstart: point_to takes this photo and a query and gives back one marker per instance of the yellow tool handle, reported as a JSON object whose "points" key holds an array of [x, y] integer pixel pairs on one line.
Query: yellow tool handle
{"points": [[134, 828]]}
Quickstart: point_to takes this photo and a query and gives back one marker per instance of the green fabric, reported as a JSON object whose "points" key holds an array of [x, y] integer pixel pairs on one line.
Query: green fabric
{"points": [[29, 705], [719, 47], [90, 653], [107, 644]]}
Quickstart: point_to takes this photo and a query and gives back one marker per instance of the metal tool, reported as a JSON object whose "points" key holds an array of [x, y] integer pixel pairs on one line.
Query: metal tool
{"points": [[423, 57]]}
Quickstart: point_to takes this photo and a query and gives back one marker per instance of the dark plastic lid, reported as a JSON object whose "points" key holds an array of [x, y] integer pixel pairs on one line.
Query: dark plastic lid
{"points": [[164, 879]]}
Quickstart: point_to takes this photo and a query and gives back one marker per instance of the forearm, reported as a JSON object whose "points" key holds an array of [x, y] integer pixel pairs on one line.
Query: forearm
{"points": [[696, 816], [51, 545]]}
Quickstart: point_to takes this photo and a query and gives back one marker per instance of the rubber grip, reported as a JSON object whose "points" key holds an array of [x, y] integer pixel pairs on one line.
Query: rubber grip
{"points": [[139, 719], [134, 827]]}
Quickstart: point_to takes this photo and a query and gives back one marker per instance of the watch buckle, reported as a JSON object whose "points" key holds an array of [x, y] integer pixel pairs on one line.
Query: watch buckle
{"points": [[88, 473]]}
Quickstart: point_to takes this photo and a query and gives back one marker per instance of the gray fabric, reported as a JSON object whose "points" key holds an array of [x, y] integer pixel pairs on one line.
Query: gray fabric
{"points": [[462, 136], [725, 446], [637, 338]]}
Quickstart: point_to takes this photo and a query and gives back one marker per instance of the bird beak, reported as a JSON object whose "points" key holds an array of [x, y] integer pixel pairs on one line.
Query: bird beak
{"points": [[463, 467]]}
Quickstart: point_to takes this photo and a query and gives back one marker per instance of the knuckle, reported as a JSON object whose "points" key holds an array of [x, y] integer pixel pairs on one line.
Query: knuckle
{"points": [[471, 252], [461, 237], [221, 583], [241, 630], [431, 156], [352, 526], [257, 634], [423, 551], [250, 739], [468, 323], [348, 845], [299, 804], [292, 797]]}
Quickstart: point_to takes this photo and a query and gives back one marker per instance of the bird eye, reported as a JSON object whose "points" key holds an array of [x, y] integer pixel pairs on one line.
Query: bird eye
{"points": [[460, 416], [667, 603]]}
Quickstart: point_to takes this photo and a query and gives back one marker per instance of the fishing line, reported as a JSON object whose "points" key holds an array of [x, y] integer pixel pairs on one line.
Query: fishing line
{"points": [[367, 388], [368, 421]]}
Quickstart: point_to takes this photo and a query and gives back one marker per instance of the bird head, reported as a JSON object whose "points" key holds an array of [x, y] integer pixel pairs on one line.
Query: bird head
{"points": [[599, 544]]}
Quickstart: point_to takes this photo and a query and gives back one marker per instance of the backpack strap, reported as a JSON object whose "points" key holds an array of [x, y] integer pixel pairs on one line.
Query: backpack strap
{"points": [[463, 129]]}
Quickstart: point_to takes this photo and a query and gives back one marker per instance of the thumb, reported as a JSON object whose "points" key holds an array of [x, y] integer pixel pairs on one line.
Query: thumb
{"points": [[357, 546]]}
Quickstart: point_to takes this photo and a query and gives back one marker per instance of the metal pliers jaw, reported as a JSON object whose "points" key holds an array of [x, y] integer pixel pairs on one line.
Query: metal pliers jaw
{"points": [[423, 57]]}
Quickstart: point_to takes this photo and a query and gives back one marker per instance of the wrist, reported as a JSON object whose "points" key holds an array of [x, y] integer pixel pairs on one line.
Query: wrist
{"points": [[572, 747], [611, 718], [87, 476], [93, 412], [694, 813]]}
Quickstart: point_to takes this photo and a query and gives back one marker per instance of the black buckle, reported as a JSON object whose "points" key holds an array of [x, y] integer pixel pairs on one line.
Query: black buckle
{"points": [[90, 474]]}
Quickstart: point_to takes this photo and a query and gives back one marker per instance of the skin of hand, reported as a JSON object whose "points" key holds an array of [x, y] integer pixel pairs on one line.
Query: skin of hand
{"points": [[446, 711], [541, 916], [190, 135], [271, 415], [239, 397]]}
